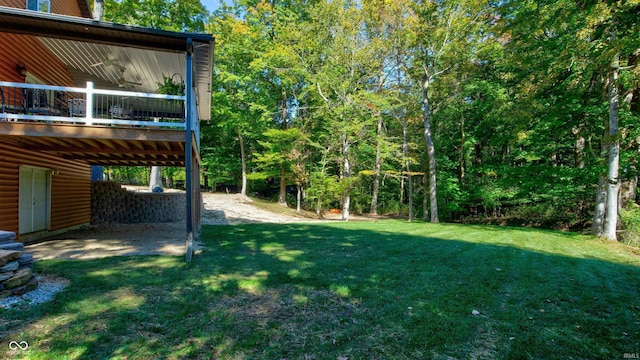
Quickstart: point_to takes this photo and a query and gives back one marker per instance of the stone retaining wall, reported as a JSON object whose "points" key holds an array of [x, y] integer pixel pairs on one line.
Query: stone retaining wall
{"points": [[16, 275], [111, 204]]}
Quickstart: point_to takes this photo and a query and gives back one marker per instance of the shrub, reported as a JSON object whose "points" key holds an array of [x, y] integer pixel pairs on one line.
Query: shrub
{"points": [[630, 221]]}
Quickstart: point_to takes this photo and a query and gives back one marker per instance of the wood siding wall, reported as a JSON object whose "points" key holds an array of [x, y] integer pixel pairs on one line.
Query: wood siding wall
{"points": [[39, 61], [62, 7], [70, 188]]}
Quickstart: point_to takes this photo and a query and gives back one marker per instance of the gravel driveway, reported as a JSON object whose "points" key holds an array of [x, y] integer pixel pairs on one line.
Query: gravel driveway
{"points": [[232, 209], [98, 241]]}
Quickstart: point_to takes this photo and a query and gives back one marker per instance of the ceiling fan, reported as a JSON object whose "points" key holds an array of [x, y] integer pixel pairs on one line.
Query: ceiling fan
{"points": [[107, 62], [122, 82]]}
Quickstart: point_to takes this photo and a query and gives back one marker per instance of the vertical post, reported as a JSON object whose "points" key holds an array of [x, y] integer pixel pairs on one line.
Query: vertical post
{"points": [[88, 114], [189, 151]]}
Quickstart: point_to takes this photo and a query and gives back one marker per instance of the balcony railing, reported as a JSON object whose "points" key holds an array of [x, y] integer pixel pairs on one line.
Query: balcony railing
{"points": [[90, 106]]}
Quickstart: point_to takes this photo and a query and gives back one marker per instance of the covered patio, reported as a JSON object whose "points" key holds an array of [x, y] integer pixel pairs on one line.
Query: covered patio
{"points": [[95, 93]]}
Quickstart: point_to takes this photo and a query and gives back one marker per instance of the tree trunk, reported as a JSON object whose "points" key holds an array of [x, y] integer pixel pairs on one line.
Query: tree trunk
{"points": [[461, 160], [243, 190], [155, 180], [407, 163], [298, 208], [282, 197], [378, 166], [346, 172], [425, 198], [319, 207], [401, 195], [578, 148], [613, 182], [430, 151], [98, 10]]}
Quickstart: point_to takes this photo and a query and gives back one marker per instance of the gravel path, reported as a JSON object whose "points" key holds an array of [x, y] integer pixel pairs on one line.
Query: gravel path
{"points": [[231, 209]]}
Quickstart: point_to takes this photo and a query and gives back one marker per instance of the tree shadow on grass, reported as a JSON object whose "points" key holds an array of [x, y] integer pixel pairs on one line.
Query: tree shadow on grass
{"points": [[383, 290]]}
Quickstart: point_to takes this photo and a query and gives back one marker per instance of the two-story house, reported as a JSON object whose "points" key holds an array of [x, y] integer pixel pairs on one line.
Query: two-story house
{"points": [[76, 92]]}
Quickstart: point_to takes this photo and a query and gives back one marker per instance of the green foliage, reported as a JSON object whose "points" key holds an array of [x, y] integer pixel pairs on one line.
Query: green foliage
{"points": [[630, 221], [175, 15], [323, 187], [169, 87], [516, 92]]}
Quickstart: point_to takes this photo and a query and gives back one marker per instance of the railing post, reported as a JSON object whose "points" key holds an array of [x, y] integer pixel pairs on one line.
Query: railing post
{"points": [[89, 104]]}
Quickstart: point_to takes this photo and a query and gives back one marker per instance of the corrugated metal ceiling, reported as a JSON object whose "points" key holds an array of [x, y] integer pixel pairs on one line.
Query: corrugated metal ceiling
{"points": [[100, 51], [118, 66]]}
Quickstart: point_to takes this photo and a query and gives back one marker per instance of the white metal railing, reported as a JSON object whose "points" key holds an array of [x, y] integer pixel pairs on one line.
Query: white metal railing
{"points": [[90, 106]]}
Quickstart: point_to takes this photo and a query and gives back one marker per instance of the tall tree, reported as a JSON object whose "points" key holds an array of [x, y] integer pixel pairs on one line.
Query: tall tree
{"points": [[445, 37], [176, 15]]}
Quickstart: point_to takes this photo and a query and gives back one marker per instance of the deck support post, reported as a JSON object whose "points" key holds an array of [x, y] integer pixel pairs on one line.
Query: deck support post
{"points": [[189, 152]]}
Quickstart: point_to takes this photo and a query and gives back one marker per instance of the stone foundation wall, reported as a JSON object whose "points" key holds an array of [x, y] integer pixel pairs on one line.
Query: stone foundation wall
{"points": [[111, 204]]}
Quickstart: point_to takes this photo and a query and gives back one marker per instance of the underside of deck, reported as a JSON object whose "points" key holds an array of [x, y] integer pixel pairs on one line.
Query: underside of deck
{"points": [[95, 145]]}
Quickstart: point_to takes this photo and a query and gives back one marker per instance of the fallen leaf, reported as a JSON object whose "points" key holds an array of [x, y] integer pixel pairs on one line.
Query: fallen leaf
{"points": [[475, 312]]}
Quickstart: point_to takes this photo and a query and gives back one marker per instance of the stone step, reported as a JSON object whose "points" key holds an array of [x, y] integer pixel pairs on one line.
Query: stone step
{"points": [[19, 278], [18, 246], [7, 237], [6, 275], [32, 284], [20, 290], [5, 293], [9, 255], [25, 265], [10, 266], [25, 258]]}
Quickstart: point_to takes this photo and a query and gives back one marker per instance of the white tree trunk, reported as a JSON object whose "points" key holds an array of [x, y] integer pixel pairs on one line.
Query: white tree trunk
{"points": [[98, 9], [346, 173], [613, 182], [430, 151], [601, 199], [243, 190], [376, 180], [425, 198], [155, 178], [298, 208]]}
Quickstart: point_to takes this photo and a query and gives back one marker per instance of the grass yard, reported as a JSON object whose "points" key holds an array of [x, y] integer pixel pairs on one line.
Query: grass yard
{"points": [[358, 290]]}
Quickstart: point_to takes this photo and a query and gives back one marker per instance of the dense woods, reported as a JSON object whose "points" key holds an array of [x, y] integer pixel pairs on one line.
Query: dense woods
{"points": [[512, 112]]}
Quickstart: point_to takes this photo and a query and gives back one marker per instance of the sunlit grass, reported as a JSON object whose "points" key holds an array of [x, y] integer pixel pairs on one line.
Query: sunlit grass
{"points": [[361, 290]]}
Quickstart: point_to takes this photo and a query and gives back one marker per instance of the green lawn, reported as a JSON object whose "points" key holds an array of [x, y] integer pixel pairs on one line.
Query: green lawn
{"points": [[358, 290]]}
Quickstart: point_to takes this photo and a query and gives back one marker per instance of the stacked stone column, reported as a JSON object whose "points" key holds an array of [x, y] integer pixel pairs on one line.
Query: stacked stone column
{"points": [[16, 275]]}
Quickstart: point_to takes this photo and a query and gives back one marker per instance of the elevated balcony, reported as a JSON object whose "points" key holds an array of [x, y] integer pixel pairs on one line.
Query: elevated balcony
{"points": [[90, 107], [100, 126]]}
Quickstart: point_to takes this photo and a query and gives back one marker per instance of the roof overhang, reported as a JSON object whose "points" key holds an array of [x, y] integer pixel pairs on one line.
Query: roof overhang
{"points": [[56, 26]]}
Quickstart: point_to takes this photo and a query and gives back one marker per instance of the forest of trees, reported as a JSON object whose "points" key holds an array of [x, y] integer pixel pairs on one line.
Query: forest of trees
{"points": [[515, 112]]}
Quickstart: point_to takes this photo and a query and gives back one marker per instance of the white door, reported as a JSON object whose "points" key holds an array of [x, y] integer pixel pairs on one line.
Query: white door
{"points": [[34, 196]]}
